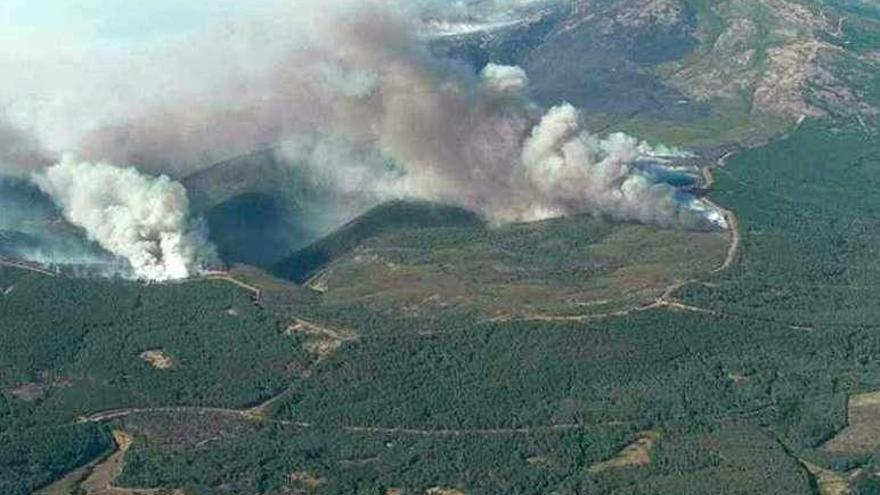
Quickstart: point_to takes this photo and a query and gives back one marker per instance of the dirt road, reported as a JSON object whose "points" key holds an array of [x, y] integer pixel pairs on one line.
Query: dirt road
{"points": [[26, 265]]}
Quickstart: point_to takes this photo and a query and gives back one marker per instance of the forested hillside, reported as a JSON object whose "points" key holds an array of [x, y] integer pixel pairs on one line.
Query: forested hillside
{"points": [[422, 349]]}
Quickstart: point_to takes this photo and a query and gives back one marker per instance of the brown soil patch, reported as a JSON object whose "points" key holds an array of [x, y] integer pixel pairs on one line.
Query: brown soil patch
{"points": [[304, 479], [637, 453], [28, 392], [322, 348], [157, 359], [307, 327], [102, 476], [45, 382], [828, 482], [863, 432], [323, 340], [538, 460], [69, 484], [443, 491], [318, 283]]}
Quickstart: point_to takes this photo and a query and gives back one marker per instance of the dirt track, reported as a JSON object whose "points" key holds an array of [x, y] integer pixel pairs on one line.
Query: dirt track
{"points": [[732, 223], [248, 415], [24, 265], [256, 292]]}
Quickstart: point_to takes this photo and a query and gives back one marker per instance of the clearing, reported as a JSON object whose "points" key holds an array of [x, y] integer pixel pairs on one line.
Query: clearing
{"points": [[323, 340], [863, 431], [828, 482], [635, 454], [157, 359]]}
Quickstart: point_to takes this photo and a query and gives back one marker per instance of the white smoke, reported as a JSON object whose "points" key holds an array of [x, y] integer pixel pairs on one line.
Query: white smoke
{"points": [[141, 218], [572, 170], [504, 78]]}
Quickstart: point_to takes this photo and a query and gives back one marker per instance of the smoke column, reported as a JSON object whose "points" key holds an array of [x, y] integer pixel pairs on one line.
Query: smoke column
{"points": [[140, 218], [473, 140], [480, 143]]}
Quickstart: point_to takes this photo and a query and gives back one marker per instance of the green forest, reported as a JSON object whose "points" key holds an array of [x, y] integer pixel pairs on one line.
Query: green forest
{"points": [[742, 396]]}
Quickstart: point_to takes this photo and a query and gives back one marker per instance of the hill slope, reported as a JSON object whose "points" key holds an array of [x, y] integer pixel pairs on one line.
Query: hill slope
{"points": [[397, 215], [421, 259]]}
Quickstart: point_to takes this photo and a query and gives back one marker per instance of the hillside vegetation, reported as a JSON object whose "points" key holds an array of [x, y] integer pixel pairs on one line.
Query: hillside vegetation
{"points": [[422, 260]]}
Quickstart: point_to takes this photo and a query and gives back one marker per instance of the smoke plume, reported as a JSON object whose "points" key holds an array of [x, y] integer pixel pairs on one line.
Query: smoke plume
{"points": [[349, 91], [473, 140], [140, 218], [364, 80], [20, 152]]}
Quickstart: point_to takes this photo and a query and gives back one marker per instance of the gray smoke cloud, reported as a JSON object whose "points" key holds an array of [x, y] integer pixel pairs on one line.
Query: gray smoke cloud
{"points": [[475, 140], [28, 219], [20, 151], [364, 79]]}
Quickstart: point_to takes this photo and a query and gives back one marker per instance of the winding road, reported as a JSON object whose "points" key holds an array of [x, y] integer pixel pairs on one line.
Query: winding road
{"points": [[732, 223]]}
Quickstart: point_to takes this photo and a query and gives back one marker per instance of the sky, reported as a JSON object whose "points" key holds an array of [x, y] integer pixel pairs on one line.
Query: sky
{"points": [[121, 21], [70, 66]]}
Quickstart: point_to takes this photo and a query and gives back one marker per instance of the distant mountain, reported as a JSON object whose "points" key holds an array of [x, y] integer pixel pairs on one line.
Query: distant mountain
{"points": [[258, 171], [32, 227], [593, 54], [13, 243], [717, 70]]}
